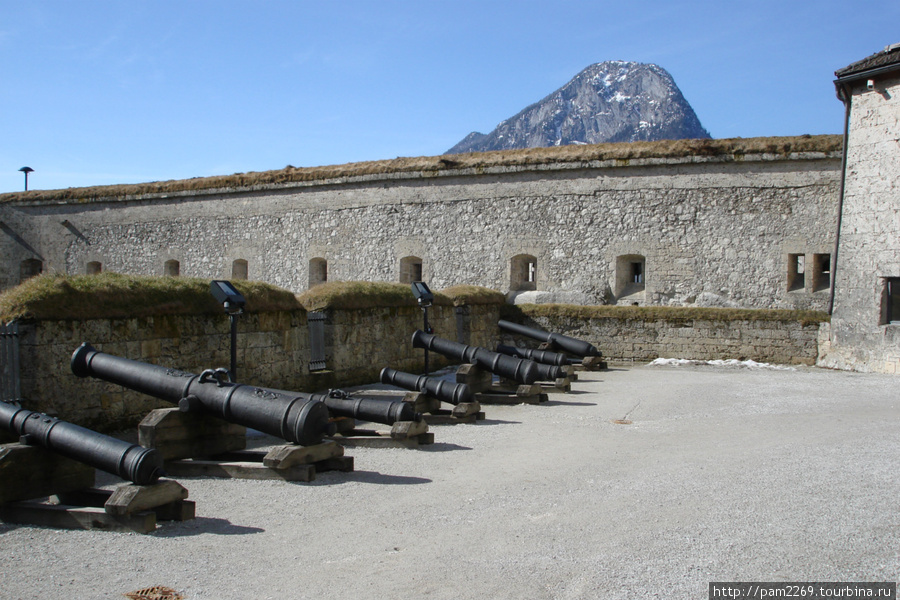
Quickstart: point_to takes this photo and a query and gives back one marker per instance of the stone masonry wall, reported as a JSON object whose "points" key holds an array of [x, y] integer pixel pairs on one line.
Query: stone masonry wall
{"points": [[713, 231], [273, 350], [869, 251], [624, 340]]}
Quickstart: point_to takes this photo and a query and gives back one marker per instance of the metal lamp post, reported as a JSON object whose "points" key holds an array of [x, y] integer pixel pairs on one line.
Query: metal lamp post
{"points": [[233, 303], [26, 170], [425, 299]]}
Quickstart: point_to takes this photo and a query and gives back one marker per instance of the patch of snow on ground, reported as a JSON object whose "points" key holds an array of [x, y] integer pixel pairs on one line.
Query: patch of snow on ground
{"points": [[730, 363]]}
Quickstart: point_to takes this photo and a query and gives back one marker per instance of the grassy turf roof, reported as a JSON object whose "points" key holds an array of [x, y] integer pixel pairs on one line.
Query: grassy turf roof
{"points": [[350, 295], [734, 147], [111, 295]]}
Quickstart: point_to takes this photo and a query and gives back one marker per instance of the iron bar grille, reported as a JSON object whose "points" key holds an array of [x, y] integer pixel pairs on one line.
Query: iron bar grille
{"points": [[10, 388], [316, 323]]}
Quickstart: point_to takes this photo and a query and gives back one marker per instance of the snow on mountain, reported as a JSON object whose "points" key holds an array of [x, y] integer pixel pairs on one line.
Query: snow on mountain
{"points": [[612, 101]]}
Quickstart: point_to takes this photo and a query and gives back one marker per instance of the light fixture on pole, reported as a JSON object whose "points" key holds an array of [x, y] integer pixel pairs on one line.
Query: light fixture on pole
{"points": [[233, 303], [425, 299], [26, 170]]}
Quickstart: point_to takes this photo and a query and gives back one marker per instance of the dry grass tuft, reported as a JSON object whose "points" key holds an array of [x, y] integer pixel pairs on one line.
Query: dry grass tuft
{"points": [[735, 148], [354, 295], [471, 295], [112, 295]]}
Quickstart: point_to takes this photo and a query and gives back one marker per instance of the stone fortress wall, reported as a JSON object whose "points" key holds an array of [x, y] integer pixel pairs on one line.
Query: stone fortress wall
{"points": [[865, 327], [731, 229]]}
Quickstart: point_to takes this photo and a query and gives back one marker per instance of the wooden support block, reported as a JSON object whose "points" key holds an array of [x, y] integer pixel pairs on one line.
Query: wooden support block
{"points": [[526, 390], [250, 464], [446, 417], [171, 510], [562, 384], [238, 470], [465, 409], [593, 363], [402, 430], [183, 510], [288, 455], [474, 376], [28, 472], [501, 397], [343, 423], [62, 516], [339, 463], [177, 434], [370, 438], [131, 498], [422, 403]]}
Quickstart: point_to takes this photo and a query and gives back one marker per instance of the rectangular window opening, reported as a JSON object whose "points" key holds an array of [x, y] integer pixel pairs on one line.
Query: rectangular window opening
{"points": [[821, 272], [892, 300], [796, 276], [637, 272]]}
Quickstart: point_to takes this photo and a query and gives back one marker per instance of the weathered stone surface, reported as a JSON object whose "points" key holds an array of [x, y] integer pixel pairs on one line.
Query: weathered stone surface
{"points": [[861, 338], [712, 230]]}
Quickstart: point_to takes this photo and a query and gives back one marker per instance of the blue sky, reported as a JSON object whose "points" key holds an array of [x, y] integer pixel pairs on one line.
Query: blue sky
{"points": [[97, 93]]}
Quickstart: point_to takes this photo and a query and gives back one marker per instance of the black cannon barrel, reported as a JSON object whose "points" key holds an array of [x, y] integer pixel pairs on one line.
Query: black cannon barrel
{"points": [[557, 340], [523, 371], [445, 391], [544, 357], [140, 465], [376, 410], [292, 416], [546, 372]]}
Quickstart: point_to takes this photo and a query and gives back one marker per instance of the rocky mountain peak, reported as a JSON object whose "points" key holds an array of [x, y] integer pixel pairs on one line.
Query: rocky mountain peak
{"points": [[612, 101]]}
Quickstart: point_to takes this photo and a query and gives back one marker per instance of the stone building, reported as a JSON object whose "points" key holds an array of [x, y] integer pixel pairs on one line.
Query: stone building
{"points": [[742, 223], [865, 324]]}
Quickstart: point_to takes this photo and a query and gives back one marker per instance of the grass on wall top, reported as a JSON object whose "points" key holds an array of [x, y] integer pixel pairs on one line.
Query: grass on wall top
{"points": [[471, 295], [112, 295], [660, 313], [351, 295], [733, 148]]}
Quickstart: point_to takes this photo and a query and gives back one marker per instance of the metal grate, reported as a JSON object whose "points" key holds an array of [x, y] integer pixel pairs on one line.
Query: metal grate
{"points": [[157, 592], [10, 387], [462, 330], [316, 323]]}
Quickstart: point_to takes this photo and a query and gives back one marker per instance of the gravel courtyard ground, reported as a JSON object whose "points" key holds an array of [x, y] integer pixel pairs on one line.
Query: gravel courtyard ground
{"points": [[724, 474]]}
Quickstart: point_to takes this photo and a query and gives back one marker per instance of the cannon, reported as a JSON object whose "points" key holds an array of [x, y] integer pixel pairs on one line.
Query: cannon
{"points": [[376, 410], [137, 464], [445, 391], [523, 371], [545, 357], [556, 340], [292, 416], [546, 371]]}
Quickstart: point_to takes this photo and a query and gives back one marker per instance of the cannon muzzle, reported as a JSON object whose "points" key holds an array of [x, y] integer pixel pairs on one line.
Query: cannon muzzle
{"points": [[140, 465], [445, 391], [523, 371], [544, 357], [292, 416], [556, 340], [546, 371]]}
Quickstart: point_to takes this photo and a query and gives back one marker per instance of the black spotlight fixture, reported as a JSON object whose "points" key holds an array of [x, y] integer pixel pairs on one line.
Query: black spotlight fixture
{"points": [[425, 299], [233, 302]]}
